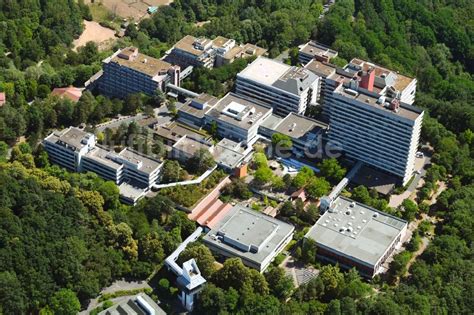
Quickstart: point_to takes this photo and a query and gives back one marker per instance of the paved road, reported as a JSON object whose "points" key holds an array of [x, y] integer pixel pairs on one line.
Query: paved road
{"points": [[281, 57], [420, 165], [161, 113], [116, 122]]}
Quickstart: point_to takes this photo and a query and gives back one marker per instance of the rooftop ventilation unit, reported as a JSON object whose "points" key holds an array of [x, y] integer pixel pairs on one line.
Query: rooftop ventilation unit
{"points": [[351, 92], [293, 126]]}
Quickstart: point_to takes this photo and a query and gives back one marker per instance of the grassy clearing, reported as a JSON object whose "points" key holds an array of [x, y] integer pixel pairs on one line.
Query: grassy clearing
{"points": [[100, 13]]}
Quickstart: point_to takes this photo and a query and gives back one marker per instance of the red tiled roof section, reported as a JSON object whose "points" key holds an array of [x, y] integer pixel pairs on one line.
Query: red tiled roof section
{"points": [[300, 193], [3, 98], [72, 93]]}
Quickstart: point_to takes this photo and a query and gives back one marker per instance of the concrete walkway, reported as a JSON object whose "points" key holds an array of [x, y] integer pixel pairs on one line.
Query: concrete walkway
{"points": [[297, 270], [187, 182], [119, 285]]}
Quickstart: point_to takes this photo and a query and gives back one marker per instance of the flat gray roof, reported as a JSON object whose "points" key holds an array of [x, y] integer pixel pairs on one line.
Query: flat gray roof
{"points": [[372, 178], [101, 155], [249, 112], [131, 191], [243, 228], [228, 153], [191, 106], [271, 122], [176, 131], [190, 145], [320, 68], [299, 127], [71, 136], [148, 164], [356, 230], [295, 80], [316, 49]]}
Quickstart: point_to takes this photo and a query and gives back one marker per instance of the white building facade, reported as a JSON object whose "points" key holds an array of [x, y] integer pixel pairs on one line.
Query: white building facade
{"points": [[77, 151], [287, 89], [369, 131]]}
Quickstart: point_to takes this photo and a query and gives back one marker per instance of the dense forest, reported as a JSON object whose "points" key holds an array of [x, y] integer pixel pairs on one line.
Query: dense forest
{"points": [[62, 230], [65, 236]]}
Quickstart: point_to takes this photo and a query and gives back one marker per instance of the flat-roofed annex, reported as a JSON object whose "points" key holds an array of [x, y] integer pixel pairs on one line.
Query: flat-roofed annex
{"points": [[198, 106], [298, 126], [254, 111], [248, 230], [102, 156], [356, 230], [190, 145], [148, 164], [320, 68], [316, 49], [270, 247]]}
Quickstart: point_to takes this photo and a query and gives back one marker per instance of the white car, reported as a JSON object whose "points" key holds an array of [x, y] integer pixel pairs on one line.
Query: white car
{"points": [[419, 154]]}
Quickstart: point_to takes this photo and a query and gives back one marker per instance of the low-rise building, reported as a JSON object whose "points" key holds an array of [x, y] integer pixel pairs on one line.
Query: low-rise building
{"points": [[72, 93], [250, 235], [306, 134], [230, 155], [237, 118], [171, 133], [285, 88], [313, 50], [193, 111], [77, 151], [140, 304], [127, 71], [209, 53], [237, 52], [189, 279], [186, 147], [355, 235]]}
